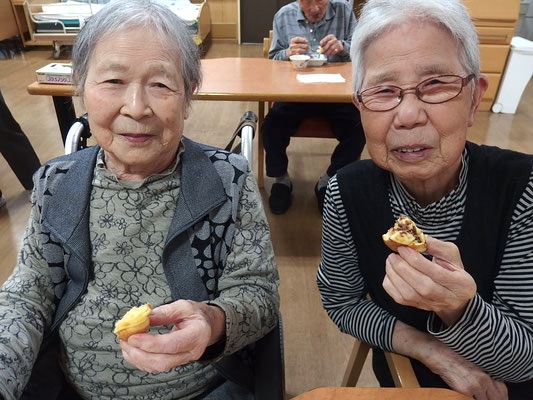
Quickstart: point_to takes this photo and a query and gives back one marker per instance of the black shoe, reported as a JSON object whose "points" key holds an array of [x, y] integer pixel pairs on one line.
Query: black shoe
{"points": [[280, 198], [320, 195]]}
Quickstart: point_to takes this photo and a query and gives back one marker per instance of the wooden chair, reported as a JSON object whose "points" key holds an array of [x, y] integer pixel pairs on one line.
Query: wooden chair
{"points": [[314, 127], [400, 367]]}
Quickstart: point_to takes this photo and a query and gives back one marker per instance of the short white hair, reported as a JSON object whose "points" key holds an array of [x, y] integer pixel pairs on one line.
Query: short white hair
{"points": [[378, 16]]}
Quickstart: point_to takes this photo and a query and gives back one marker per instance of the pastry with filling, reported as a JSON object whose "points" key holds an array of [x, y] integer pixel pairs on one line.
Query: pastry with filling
{"points": [[405, 233]]}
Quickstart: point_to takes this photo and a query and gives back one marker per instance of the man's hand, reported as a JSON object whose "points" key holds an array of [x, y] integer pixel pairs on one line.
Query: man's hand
{"points": [[195, 326], [331, 45], [440, 285], [298, 45]]}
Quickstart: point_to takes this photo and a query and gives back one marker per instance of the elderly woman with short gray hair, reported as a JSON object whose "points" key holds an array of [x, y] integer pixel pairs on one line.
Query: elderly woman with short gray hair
{"points": [[145, 217], [463, 310]]}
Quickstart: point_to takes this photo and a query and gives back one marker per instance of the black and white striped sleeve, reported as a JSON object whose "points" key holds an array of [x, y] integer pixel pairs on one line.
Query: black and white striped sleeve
{"points": [[341, 285]]}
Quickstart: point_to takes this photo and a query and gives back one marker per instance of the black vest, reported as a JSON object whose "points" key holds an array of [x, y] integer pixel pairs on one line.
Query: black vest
{"points": [[496, 180]]}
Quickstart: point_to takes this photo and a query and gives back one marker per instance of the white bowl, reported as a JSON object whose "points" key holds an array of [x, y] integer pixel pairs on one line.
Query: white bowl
{"points": [[317, 60], [299, 61]]}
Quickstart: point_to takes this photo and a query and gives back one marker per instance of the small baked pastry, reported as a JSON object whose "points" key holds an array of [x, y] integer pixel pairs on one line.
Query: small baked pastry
{"points": [[136, 320], [405, 233]]}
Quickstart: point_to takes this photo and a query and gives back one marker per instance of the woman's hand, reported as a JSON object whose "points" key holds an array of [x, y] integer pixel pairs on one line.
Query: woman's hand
{"points": [[459, 374], [467, 378], [440, 285], [195, 326]]}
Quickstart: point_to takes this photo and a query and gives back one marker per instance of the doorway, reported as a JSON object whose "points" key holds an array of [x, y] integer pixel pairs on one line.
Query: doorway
{"points": [[256, 18]]}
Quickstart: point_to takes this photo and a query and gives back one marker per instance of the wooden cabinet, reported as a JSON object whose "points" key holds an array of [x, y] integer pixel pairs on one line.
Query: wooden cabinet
{"points": [[225, 19], [8, 25], [495, 22]]}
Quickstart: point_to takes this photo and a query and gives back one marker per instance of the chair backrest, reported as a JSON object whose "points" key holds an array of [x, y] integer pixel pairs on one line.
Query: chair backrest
{"points": [[266, 43]]}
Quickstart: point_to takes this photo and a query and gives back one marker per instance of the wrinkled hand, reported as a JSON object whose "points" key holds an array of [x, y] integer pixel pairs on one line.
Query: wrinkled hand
{"points": [[460, 374], [195, 326], [298, 45], [331, 45], [440, 285], [466, 378]]}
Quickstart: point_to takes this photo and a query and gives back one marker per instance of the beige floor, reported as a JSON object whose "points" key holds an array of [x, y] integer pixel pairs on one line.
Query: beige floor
{"points": [[315, 351]]}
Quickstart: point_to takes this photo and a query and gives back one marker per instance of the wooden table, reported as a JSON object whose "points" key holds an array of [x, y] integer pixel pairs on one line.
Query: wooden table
{"points": [[236, 79], [62, 98], [350, 393], [264, 81]]}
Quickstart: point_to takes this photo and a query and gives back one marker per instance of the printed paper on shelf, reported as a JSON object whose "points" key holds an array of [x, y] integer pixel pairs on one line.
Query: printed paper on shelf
{"points": [[56, 73]]}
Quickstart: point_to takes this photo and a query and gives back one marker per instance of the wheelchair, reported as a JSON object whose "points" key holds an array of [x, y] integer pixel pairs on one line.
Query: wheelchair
{"points": [[240, 142]]}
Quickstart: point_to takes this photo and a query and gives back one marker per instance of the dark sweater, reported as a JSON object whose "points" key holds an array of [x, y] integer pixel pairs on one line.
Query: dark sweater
{"points": [[365, 188]]}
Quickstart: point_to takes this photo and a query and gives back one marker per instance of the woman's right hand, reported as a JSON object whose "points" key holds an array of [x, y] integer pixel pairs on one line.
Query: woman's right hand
{"points": [[195, 326], [440, 285]]}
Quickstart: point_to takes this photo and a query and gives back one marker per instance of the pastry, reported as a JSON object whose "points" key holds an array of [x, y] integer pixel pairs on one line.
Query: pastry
{"points": [[136, 320], [405, 233]]}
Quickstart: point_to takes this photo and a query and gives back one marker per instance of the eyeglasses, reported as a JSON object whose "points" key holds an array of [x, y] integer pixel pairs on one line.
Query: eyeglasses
{"points": [[434, 90]]}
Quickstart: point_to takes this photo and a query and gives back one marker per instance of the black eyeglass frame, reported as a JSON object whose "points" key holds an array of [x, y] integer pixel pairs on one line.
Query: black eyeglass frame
{"points": [[464, 81]]}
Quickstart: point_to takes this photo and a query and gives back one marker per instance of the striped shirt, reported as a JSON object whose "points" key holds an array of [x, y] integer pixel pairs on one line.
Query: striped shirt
{"points": [[497, 337]]}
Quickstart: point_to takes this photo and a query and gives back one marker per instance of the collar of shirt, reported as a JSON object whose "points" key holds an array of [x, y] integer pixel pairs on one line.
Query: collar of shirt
{"points": [[102, 168]]}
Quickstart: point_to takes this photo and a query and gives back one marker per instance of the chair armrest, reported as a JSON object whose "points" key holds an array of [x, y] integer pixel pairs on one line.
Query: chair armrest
{"points": [[355, 363], [401, 370], [400, 367]]}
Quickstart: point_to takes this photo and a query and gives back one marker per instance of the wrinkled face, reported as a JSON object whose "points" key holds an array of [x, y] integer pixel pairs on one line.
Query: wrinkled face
{"points": [[314, 10], [134, 96], [418, 142]]}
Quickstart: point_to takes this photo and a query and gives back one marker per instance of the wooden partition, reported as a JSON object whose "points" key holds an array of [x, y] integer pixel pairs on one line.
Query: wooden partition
{"points": [[8, 25], [224, 19]]}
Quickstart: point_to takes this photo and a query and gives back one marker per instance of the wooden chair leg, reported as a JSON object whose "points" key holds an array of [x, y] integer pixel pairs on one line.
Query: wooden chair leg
{"points": [[355, 364]]}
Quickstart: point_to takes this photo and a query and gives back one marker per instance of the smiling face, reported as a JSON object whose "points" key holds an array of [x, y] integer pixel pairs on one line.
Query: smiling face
{"points": [[419, 143], [314, 10], [134, 96]]}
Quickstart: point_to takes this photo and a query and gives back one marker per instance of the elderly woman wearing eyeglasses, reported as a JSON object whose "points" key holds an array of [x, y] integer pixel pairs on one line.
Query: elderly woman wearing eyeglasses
{"points": [[462, 311]]}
